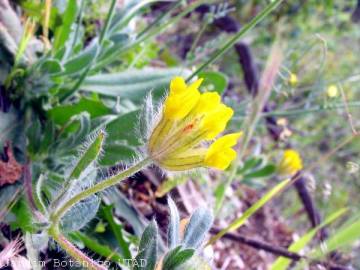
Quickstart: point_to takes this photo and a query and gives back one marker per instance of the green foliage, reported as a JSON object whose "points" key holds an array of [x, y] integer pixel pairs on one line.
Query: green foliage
{"points": [[89, 156], [121, 144], [92, 77], [131, 84], [344, 236], [23, 216], [214, 81], [117, 230], [63, 32], [63, 113], [249, 212], [179, 252], [176, 257], [97, 247], [174, 226], [283, 263], [199, 224], [80, 214], [148, 247]]}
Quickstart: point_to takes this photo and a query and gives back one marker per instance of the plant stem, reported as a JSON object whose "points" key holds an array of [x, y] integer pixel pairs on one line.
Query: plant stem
{"points": [[235, 38], [97, 188], [159, 18], [73, 251], [107, 22]]}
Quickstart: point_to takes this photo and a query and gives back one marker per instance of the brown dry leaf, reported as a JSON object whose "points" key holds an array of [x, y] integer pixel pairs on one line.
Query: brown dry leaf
{"points": [[10, 170]]}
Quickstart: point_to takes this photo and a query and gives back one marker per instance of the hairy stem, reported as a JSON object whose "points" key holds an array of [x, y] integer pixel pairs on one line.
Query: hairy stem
{"points": [[97, 188], [54, 230], [73, 251]]}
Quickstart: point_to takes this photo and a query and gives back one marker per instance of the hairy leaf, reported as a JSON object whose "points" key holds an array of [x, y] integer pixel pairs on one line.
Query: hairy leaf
{"points": [[200, 223], [174, 226], [80, 214]]}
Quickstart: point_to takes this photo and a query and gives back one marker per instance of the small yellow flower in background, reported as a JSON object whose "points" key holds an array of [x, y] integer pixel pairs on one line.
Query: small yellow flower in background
{"points": [[291, 162], [293, 79], [332, 91], [189, 121]]}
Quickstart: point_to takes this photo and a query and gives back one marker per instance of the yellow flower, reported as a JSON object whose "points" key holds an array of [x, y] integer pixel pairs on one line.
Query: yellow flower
{"points": [[189, 122], [293, 79], [220, 153], [290, 163], [332, 91]]}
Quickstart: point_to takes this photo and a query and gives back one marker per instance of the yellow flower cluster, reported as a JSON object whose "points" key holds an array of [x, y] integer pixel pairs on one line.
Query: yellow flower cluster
{"points": [[291, 162], [188, 122], [293, 79], [332, 91]]}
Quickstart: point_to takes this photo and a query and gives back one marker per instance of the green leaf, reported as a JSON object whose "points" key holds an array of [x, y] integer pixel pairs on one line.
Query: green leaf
{"points": [[80, 214], [176, 257], [24, 217], [148, 247], [174, 226], [8, 194], [122, 139], [33, 134], [283, 263], [123, 208], [8, 126], [48, 135], [89, 156], [263, 172], [132, 84], [117, 152], [122, 19], [124, 128], [117, 230], [81, 61], [214, 81], [62, 32], [102, 250], [62, 114], [79, 127], [51, 66], [342, 237], [200, 223], [252, 210], [249, 164], [219, 194], [112, 46]]}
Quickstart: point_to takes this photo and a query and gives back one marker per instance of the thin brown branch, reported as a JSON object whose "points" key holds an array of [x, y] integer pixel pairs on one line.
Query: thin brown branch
{"points": [[349, 115], [257, 244], [278, 251]]}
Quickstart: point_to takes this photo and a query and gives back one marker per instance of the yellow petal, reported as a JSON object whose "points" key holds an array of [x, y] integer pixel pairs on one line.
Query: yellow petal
{"points": [[216, 121], [177, 86], [181, 99], [220, 153], [290, 163], [195, 85], [221, 160], [207, 102], [178, 106]]}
